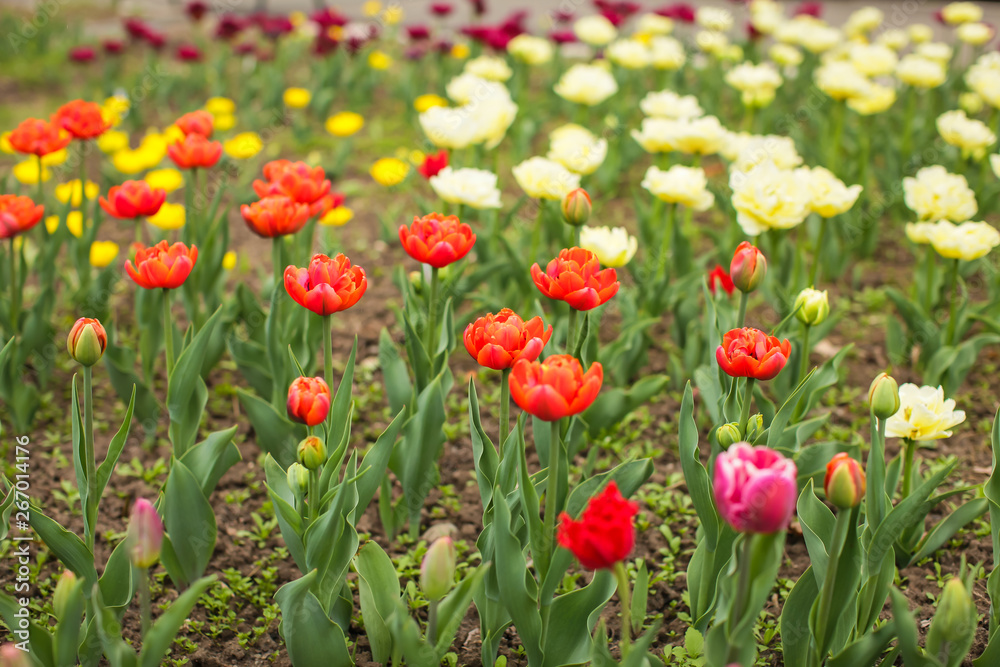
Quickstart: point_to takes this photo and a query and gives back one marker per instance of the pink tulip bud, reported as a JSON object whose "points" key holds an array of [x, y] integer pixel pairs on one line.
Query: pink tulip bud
{"points": [[145, 534], [755, 488], [748, 267], [11, 656], [60, 598], [437, 572]]}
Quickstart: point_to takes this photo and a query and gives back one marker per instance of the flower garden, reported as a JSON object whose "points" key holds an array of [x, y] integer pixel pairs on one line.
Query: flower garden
{"points": [[614, 333]]}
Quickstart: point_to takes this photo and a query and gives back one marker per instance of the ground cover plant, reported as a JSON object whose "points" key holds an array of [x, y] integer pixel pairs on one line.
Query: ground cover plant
{"points": [[439, 335]]}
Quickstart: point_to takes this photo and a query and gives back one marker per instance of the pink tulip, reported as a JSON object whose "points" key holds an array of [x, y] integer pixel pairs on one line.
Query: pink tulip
{"points": [[145, 534], [755, 488]]}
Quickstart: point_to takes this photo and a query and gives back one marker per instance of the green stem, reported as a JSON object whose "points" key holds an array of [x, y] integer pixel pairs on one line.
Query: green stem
{"points": [[40, 190], [625, 598], [168, 334], [909, 448], [432, 314], [952, 289], [875, 492], [574, 315], [552, 496], [328, 356], [276, 259], [83, 185], [432, 614], [536, 233], [742, 593], [838, 131], [145, 604], [314, 498], [668, 233], [504, 430], [89, 455], [814, 271], [830, 581], [929, 269], [907, 142], [745, 409], [14, 289], [804, 364], [742, 317]]}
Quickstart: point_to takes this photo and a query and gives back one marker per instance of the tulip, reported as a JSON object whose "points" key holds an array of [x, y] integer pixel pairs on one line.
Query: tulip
{"points": [[308, 401], [133, 199], [18, 214], [196, 122], [195, 151], [954, 623], [82, 54], [35, 136], [437, 571], [311, 452], [297, 478], [60, 598], [162, 265], [12, 656], [327, 285], [812, 306], [275, 215], [83, 120], [436, 239], [499, 341], [844, 483], [300, 182], [556, 387], [145, 534], [728, 435], [748, 268], [575, 276], [433, 164], [755, 488], [604, 534], [883, 396], [751, 353], [87, 341], [718, 277], [576, 207]]}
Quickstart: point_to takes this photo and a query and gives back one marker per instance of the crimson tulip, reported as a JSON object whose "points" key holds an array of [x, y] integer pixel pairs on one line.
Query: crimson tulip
{"points": [[436, 239], [308, 401], [133, 199], [162, 266], [196, 122], [18, 214], [83, 120], [576, 277], [275, 215], [35, 136], [605, 532], [717, 278], [195, 151], [433, 164], [751, 353], [327, 285], [499, 341], [556, 387], [754, 488]]}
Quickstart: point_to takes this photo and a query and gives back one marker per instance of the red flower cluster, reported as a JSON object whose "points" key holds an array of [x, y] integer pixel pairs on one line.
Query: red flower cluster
{"points": [[436, 239], [750, 353], [604, 534], [164, 266], [83, 120], [302, 183], [499, 341], [196, 122], [575, 276], [433, 164], [327, 285], [556, 387], [35, 136]]}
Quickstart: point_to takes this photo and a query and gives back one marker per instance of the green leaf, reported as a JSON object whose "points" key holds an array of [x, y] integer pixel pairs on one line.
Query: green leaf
{"points": [[695, 475], [341, 405], [378, 589], [517, 589], [312, 639], [796, 647], [454, 607], [640, 596], [276, 435], [210, 459], [41, 641], [376, 460], [189, 523], [186, 394], [906, 631], [396, 377], [114, 449], [484, 453], [568, 631], [612, 406], [946, 528], [117, 583], [867, 650], [162, 633], [66, 546], [817, 523]]}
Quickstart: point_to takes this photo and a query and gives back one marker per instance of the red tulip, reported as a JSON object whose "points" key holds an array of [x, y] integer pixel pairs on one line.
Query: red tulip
{"points": [[133, 199], [196, 122], [575, 276], [556, 387], [748, 268], [18, 214], [718, 277], [605, 533], [145, 534], [35, 136], [441, 8], [113, 47], [188, 53], [754, 488], [196, 10], [82, 54], [436, 239], [304, 184], [195, 151], [275, 215], [750, 353], [87, 341], [162, 266], [499, 341], [308, 401], [84, 120], [327, 286], [433, 164]]}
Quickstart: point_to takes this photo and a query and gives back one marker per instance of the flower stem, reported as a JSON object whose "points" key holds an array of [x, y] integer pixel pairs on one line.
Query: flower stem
{"points": [[909, 448], [168, 334], [830, 581], [504, 429], [742, 317], [668, 233], [14, 289], [41, 191], [552, 496], [742, 592], [814, 271], [328, 355], [536, 233], [432, 609], [89, 455], [804, 364], [432, 314], [145, 604], [574, 314], [929, 300], [314, 498], [625, 599], [745, 409], [952, 289], [276, 259]]}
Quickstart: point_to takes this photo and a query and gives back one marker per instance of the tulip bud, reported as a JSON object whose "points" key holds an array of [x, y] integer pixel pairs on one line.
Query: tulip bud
{"points": [[87, 341], [437, 572], [845, 482], [145, 534], [576, 207], [61, 596], [12, 656], [748, 267], [298, 479], [883, 396], [755, 426], [312, 452], [728, 435], [954, 621], [812, 306]]}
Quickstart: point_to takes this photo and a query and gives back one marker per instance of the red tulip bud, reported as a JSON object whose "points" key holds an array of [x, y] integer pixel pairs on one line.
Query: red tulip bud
{"points": [[845, 482], [145, 534], [87, 341], [576, 207], [60, 598], [748, 267]]}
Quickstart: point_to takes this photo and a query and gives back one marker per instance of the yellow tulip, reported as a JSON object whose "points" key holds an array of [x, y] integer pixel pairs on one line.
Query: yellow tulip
{"points": [[429, 101], [5, 146], [27, 172], [371, 8], [389, 171], [70, 192], [229, 261], [392, 15], [379, 60], [243, 146], [344, 124], [55, 159], [129, 161], [220, 106], [165, 179], [112, 141], [102, 253], [169, 217], [460, 51], [297, 98], [223, 122], [337, 217], [74, 223]]}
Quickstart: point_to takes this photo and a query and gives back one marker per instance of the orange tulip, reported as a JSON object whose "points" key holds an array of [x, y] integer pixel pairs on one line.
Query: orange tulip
{"points": [[133, 199], [195, 151], [197, 122], [18, 214], [304, 184], [436, 239], [275, 215], [39, 137], [499, 341], [161, 265], [556, 387], [575, 276], [327, 285], [84, 120]]}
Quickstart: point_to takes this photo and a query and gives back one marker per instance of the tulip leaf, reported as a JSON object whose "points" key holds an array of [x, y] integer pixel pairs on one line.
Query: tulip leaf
{"points": [[310, 636], [517, 591], [454, 607], [79, 464], [378, 590], [289, 520], [946, 528], [114, 450], [211, 458], [186, 393], [570, 620], [120, 365], [613, 405], [163, 632], [340, 407], [817, 523], [41, 640], [695, 475], [711, 392], [66, 636], [68, 548], [640, 597], [796, 635], [276, 435], [906, 632], [866, 650], [376, 461], [189, 523], [248, 355], [484, 453], [396, 377]]}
